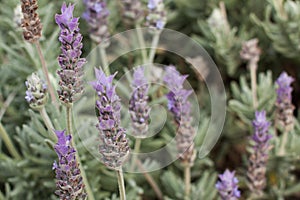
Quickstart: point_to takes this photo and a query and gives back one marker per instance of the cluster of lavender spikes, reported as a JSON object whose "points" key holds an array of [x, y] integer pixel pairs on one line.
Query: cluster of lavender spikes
{"points": [[156, 18], [36, 93], [285, 108], [138, 104], [227, 186], [181, 107], [71, 64], [96, 15], [114, 148], [259, 156], [69, 182], [31, 23], [132, 11]]}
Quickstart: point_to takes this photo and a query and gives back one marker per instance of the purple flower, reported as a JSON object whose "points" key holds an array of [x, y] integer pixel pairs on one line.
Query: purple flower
{"points": [[284, 90], [96, 15], [69, 182], [132, 11], [156, 18], [114, 147], [71, 64], [36, 93], [180, 107], [228, 186], [284, 106], [259, 156], [138, 104]]}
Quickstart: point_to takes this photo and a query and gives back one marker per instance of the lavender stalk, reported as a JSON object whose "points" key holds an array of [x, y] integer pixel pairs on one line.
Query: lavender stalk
{"points": [[114, 148], [32, 31], [259, 155], [71, 72], [251, 52], [284, 108], [179, 105], [227, 186], [69, 182]]}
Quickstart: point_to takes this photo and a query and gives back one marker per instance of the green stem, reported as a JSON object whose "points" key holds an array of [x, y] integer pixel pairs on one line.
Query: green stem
{"points": [[121, 184], [48, 123], [104, 60], [187, 181], [136, 150], [46, 73], [253, 66], [141, 42], [7, 141], [154, 46], [283, 143], [83, 174]]}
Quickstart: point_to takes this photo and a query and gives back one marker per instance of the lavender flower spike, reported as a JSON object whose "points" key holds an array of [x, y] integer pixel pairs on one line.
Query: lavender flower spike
{"points": [[259, 156], [96, 15], [36, 93], [285, 108], [114, 147], [69, 182], [156, 18], [180, 107], [71, 64], [138, 104], [228, 186], [133, 12]]}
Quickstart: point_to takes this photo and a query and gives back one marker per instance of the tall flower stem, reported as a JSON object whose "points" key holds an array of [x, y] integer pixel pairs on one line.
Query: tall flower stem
{"points": [[136, 150], [46, 73], [187, 180], [253, 68], [83, 174], [104, 60], [48, 123], [141, 42], [121, 184], [283, 143], [154, 45], [8, 143]]}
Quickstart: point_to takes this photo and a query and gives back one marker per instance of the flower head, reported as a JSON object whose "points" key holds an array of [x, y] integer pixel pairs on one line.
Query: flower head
{"points": [[31, 23], [71, 64], [259, 155], [96, 15], [180, 107], [156, 18], [228, 186], [284, 90], [250, 50], [138, 104], [36, 93], [114, 147], [69, 182], [132, 11]]}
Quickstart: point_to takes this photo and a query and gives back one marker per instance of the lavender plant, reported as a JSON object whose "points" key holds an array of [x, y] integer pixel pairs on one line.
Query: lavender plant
{"points": [[156, 18], [180, 107], [114, 148], [259, 155], [227, 186], [132, 11], [69, 182], [37, 92], [71, 63]]}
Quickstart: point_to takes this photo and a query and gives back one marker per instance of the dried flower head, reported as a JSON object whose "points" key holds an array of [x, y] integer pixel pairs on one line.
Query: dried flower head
{"points": [[284, 106], [250, 50], [36, 93], [69, 181], [138, 104], [96, 15], [31, 23], [71, 64], [156, 18], [227, 186], [259, 156], [179, 105], [114, 148], [132, 11]]}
